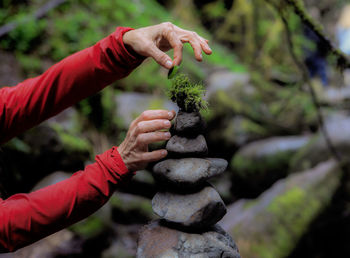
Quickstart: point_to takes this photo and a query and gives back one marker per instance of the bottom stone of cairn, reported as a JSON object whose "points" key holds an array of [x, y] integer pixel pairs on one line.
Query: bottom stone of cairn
{"points": [[158, 240]]}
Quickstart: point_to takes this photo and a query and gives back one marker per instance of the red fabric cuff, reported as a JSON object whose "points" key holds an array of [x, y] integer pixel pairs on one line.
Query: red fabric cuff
{"points": [[132, 58], [121, 168]]}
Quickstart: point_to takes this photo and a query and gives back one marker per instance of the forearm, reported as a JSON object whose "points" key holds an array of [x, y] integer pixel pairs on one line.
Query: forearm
{"points": [[64, 84], [26, 218]]}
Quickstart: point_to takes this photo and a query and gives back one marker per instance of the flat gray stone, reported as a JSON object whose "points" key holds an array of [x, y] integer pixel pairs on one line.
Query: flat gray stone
{"points": [[188, 172], [188, 123], [200, 209], [189, 147], [157, 240]]}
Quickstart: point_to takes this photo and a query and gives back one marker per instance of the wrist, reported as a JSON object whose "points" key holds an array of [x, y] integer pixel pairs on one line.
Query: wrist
{"points": [[127, 40]]}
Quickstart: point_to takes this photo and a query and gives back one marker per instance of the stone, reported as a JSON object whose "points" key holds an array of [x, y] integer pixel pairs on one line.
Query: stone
{"points": [[188, 123], [317, 150], [188, 172], [159, 241], [199, 209], [187, 147], [259, 164], [274, 223]]}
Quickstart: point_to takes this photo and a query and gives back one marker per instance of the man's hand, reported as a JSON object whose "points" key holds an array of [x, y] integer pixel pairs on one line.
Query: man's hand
{"points": [[153, 41], [144, 130]]}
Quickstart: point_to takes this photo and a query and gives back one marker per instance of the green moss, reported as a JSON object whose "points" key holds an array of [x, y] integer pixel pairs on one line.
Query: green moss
{"points": [[288, 216], [299, 161], [89, 227], [18, 145], [187, 95], [71, 142]]}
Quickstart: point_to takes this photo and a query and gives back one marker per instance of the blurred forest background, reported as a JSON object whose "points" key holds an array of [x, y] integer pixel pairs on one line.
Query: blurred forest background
{"points": [[284, 131]]}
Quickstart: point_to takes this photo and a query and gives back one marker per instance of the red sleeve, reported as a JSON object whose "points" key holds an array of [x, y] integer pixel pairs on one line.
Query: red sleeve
{"points": [[26, 218], [64, 84]]}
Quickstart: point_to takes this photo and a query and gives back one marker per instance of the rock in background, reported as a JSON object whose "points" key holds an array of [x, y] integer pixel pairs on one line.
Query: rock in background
{"points": [[272, 225]]}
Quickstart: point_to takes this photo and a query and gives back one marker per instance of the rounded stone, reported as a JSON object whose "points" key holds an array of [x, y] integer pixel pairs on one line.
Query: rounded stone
{"points": [[188, 172], [188, 123], [200, 209], [189, 147], [157, 240]]}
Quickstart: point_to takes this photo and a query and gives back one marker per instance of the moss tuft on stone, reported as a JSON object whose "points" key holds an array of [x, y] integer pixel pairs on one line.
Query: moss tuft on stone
{"points": [[186, 94]]}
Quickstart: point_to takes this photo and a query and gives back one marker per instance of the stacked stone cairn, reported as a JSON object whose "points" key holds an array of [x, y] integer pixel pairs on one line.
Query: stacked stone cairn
{"points": [[189, 207]]}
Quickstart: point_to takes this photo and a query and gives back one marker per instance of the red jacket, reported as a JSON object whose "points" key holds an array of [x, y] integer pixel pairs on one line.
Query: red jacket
{"points": [[26, 218]]}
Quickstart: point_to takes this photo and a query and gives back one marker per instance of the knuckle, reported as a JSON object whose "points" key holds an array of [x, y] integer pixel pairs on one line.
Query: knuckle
{"points": [[144, 115], [167, 24], [178, 45], [138, 128], [139, 139]]}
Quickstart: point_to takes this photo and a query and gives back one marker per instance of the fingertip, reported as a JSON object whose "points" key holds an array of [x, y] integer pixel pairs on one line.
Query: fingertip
{"points": [[171, 114], [164, 152], [208, 51], [177, 61], [168, 64]]}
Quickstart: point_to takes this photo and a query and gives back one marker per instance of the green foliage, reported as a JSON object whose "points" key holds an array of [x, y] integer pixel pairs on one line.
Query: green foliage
{"points": [[89, 227], [71, 142], [187, 95]]}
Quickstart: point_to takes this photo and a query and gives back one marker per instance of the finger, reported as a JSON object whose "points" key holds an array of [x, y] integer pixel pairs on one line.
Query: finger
{"points": [[197, 49], [176, 44], [206, 48], [154, 155], [147, 138], [152, 126], [152, 115], [160, 57]]}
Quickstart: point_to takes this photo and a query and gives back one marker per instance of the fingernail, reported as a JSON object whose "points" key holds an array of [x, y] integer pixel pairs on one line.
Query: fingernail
{"points": [[201, 56], [164, 152], [168, 64], [209, 48], [167, 135], [167, 123]]}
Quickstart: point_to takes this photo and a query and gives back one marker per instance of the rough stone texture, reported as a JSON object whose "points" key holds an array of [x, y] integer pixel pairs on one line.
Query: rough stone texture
{"points": [[158, 241], [199, 209], [183, 146], [188, 172], [188, 123], [259, 164], [274, 223]]}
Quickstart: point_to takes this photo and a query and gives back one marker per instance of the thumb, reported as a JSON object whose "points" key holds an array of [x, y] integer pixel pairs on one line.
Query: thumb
{"points": [[161, 58]]}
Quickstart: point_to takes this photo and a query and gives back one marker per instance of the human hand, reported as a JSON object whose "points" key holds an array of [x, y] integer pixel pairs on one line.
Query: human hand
{"points": [[145, 130], [153, 41]]}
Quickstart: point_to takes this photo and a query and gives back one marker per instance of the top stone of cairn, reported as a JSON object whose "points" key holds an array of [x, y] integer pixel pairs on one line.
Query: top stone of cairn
{"points": [[189, 123]]}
